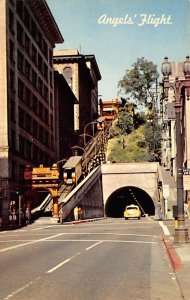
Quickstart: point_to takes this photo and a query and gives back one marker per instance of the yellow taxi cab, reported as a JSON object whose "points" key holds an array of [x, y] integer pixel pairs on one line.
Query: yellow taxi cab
{"points": [[132, 211]]}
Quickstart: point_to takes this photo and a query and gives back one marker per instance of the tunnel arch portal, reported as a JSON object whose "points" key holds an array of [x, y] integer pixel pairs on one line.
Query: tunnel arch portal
{"points": [[119, 199]]}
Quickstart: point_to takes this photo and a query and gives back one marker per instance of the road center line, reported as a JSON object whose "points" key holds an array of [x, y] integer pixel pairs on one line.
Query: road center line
{"points": [[63, 263], [29, 243], [93, 245], [59, 265]]}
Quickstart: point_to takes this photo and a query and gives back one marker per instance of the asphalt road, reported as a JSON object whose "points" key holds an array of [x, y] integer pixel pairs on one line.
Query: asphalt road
{"points": [[110, 259]]}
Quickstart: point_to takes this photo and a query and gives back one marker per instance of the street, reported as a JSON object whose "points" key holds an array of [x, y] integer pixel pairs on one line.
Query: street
{"points": [[108, 259]]}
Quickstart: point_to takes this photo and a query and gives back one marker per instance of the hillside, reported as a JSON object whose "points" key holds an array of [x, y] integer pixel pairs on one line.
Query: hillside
{"points": [[126, 148]]}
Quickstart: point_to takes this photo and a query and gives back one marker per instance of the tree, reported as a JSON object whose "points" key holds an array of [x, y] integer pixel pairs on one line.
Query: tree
{"points": [[125, 122], [138, 81], [152, 135]]}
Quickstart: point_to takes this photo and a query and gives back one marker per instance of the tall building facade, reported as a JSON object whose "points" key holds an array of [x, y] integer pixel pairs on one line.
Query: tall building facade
{"points": [[82, 75], [168, 123], [64, 117], [27, 126], [169, 147]]}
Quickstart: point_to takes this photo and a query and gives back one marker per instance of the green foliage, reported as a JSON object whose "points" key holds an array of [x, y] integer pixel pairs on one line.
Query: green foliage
{"points": [[125, 122], [152, 135], [138, 81], [141, 145]]}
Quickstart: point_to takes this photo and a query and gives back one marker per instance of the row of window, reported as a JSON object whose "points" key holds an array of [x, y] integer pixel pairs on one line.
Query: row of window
{"points": [[37, 83], [25, 94], [28, 123], [31, 27], [28, 150], [25, 66], [33, 102], [30, 99]]}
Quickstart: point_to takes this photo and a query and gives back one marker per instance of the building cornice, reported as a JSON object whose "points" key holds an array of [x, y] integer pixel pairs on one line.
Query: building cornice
{"points": [[45, 18], [93, 61]]}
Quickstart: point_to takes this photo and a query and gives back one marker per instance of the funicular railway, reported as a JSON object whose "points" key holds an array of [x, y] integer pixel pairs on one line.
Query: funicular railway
{"points": [[75, 169]]}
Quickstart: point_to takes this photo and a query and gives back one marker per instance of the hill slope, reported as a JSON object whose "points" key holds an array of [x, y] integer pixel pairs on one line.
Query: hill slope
{"points": [[126, 148]]}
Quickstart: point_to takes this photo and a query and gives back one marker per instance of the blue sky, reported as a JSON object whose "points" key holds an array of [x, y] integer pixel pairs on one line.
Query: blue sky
{"points": [[116, 48]]}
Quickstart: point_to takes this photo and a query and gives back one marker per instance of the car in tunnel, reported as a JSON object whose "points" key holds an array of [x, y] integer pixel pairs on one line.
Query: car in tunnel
{"points": [[132, 211]]}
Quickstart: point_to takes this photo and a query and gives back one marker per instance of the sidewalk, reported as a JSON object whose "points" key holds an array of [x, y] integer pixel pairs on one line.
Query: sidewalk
{"points": [[179, 255]]}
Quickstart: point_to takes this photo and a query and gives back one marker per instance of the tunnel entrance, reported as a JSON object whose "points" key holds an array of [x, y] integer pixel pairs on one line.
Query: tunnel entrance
{"points": [[122, 197]]}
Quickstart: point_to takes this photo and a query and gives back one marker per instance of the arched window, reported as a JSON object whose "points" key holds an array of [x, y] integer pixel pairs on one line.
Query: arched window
{"points": [[67, 73]]}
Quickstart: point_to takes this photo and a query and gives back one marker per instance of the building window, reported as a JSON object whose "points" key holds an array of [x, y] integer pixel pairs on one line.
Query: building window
{"points": [[13, 140], [12, 80], [40, 63], [35, 129], [46, 115], [12, 111], [67, 73], [28, 123], [45, 49], [27, 44], [21, 118], [21, 145], [19, 33], [27, 70], [39, 39], [11, 20], [20, 61], [26, 18], [19, 8], [41, 156], [36, 154], [34, 54], [34, 78], [41, 134], [28, 97], [45, 93], [33, 29], [46, 138], [35, 104], [28, 149], [51, 100], [50, 78], [12, 2], [20, 89], [11, 50], [52, 142], [51, 117], [45, 71], [40, 86], [50, 57]]}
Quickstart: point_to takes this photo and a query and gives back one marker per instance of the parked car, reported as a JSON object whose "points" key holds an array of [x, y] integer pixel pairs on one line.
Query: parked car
{"points": [[132, 211]]}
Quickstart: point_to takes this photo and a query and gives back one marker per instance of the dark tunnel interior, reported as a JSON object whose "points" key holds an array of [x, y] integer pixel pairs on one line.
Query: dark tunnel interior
{"points": [[117, 202]]}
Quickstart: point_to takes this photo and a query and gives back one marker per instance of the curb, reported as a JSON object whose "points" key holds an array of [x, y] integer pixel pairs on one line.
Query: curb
{"points": [[172, 254], [82, 221]]}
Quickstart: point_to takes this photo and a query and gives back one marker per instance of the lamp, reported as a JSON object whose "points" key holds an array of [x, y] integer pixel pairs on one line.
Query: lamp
{"points": [[186, 70], [181, 232], [166, 71]]}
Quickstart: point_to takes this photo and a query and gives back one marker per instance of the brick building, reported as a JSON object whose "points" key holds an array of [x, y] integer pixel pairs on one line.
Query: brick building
{"points": [[27, 126], [82, 74], [64, 116]]}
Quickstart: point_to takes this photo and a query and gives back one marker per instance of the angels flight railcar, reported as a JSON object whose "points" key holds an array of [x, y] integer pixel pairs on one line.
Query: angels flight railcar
{"points": [[72, 170]]}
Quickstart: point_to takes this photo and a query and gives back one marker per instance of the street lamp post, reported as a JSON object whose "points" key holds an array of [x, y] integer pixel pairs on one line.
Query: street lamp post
{"points": [[84, 137], [179, 87], [75, 149], [94, 122]]}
